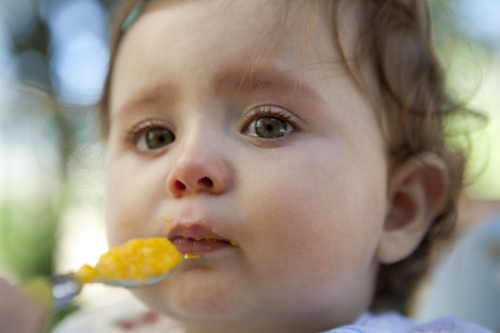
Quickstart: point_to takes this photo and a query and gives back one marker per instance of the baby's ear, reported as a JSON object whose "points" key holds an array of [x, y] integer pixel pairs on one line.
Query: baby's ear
{"points": [[416, 194]]}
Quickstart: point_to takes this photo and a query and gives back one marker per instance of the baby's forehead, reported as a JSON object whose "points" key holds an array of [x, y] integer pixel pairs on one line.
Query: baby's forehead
{"points": [[222, 41], [263, 31], [267, 19]]}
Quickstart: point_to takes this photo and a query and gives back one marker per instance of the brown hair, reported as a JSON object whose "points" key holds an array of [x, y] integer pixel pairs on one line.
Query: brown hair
{"points": [[395, 40]]}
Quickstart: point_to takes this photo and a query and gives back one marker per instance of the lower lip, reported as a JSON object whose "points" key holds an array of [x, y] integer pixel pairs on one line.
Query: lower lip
{"points": [[202, 246]]}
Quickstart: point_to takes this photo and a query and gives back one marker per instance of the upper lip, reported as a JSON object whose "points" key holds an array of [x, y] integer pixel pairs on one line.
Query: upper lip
{"points": [[194, 230]]}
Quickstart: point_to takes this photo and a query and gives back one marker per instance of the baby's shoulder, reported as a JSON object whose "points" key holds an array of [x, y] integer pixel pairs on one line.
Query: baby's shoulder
{"points": [[392, 322], [128, 315]]}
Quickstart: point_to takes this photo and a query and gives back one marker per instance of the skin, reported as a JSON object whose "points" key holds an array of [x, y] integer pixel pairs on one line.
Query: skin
{"points": [[307, 211]]}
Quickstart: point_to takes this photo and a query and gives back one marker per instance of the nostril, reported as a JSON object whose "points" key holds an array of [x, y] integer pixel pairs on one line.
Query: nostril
{"points": [[206, 181], [180, 185]]}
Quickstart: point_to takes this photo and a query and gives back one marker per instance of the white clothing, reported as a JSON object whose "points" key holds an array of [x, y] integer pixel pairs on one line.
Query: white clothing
{"points": [[133, 317]]}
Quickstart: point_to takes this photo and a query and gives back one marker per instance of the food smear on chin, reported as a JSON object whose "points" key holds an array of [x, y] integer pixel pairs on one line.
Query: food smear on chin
{"points": [[191, 256]]}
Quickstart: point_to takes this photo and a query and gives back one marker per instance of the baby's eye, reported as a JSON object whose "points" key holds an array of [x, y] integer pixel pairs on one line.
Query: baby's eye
{"points": [[268, 128], [269, 123], [154, 138]]}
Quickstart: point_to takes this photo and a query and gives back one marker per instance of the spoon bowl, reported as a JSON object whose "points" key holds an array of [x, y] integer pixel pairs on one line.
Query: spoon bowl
{"points": [[133, 283]]}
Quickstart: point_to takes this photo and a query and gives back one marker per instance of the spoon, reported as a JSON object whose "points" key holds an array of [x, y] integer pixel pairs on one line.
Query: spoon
{"points": [[113, 269], [58, 291]]}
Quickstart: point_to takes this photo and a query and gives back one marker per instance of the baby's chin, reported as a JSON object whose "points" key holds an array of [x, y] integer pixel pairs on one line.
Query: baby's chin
{"points": [[191, 299], [220, 310], [205, 313]]}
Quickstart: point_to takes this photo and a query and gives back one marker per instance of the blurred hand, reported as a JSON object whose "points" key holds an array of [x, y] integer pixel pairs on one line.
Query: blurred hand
{"points": [[18, 313]]}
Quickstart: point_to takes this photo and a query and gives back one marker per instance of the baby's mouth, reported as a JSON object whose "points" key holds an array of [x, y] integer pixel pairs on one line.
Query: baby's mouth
{"points": [[199, 246], [197, 238]]}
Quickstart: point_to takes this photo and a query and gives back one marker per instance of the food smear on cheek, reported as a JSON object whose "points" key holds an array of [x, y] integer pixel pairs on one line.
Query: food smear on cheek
{"points": [[128, 226], [169, 224], [125, 223], [168, 229], [137, 259]]}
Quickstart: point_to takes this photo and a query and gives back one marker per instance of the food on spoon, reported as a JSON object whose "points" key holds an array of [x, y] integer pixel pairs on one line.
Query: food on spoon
{"points": [[137, 259]]}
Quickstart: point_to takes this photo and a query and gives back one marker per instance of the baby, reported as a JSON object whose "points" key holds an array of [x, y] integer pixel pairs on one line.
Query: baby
{"points": [[297, 147]]}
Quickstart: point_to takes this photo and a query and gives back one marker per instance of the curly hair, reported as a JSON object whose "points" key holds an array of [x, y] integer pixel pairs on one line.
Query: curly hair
{"points": [[395, 40]]}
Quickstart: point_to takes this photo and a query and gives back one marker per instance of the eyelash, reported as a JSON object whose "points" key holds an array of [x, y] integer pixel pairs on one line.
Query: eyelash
{"points": [[132, 135], [269, 111]]}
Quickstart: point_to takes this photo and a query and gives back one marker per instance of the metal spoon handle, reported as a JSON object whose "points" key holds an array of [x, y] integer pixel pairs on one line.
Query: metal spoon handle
{"points": [[55, 292], [64, 289]]}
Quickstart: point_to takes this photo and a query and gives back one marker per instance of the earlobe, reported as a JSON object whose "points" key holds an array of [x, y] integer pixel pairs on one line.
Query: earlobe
{"points": [[416, 194]]}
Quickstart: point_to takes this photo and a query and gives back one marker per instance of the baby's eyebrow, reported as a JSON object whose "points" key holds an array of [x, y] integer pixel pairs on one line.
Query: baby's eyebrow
{"points": [[165, 91], [230, 81], [247, 80]]}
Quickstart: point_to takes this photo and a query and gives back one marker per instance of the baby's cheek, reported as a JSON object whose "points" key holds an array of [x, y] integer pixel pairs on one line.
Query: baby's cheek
{"points": [[121, 222], [117, 233], [124, 213]]}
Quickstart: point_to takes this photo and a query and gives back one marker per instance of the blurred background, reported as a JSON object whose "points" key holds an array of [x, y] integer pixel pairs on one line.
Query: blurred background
{"points": [[53, 60]]}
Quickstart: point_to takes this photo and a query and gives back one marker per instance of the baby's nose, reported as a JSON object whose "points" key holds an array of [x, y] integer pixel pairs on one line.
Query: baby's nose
{"points": [[196, 171], [202, 183]]}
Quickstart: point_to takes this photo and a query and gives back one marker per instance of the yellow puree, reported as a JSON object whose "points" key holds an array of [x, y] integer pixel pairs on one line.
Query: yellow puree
{"points": [[137, 259]]}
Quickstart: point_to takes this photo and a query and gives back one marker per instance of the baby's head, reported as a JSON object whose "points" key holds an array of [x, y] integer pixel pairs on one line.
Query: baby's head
{"points": [[297, 146]]}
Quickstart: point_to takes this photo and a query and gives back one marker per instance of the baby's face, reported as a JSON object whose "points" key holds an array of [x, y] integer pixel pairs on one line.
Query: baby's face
{"points": [[244, 141]]}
